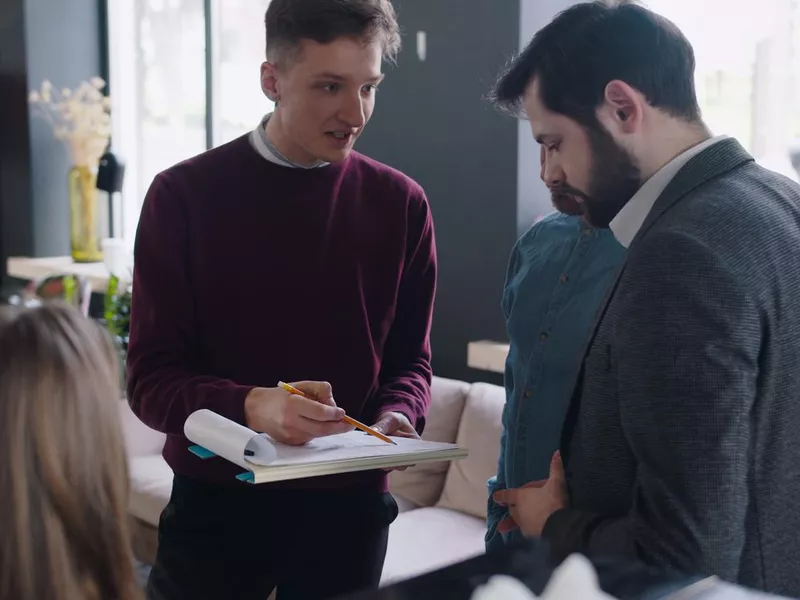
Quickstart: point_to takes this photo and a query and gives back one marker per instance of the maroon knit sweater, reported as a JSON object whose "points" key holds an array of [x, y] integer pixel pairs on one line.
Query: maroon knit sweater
{"points": [[248, 273]]}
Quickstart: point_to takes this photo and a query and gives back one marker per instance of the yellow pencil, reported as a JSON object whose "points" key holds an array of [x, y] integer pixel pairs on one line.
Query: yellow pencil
{"points": [[349, 420]]}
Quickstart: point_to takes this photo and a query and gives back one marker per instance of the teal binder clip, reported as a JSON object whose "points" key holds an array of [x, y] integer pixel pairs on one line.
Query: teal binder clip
{"points": [[201, 452], [247, 477]]}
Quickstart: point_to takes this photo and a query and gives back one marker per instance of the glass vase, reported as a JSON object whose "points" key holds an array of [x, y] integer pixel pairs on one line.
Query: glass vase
{"points": [[84, 230]]}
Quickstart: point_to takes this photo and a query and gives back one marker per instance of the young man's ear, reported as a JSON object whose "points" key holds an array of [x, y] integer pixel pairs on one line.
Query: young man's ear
{"points": [[269, 81]]}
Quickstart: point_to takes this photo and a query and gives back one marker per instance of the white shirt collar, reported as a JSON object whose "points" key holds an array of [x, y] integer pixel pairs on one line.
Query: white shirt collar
{"points": [[630, 219], [261, 144]]}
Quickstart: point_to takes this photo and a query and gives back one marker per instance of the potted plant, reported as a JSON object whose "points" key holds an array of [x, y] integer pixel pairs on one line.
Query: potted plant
{"points": [[117, 317]]}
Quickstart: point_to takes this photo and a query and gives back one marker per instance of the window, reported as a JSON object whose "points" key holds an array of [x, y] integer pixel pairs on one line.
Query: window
{"points": [[748, 72], [241, 50], [184, 77]]}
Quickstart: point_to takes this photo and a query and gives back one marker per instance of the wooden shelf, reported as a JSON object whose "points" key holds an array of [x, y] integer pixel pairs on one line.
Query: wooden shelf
{"points": [[487, 356], [36, 268]]}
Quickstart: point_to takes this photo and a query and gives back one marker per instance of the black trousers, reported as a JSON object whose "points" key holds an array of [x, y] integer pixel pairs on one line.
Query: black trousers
{"points": [[238, 543]]}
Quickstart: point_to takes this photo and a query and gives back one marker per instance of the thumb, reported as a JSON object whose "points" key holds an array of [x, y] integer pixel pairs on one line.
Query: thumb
{"points": [[557, 468], [385, 423]]}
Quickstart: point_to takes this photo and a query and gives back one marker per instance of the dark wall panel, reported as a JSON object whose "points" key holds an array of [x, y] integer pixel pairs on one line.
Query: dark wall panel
{"points": [[16, 214], [39, 39], [63, 46], [433, 122]]}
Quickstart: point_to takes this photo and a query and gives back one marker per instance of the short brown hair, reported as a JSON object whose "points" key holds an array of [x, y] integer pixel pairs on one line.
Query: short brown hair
{"points": [[289, 22], [63, 470]]}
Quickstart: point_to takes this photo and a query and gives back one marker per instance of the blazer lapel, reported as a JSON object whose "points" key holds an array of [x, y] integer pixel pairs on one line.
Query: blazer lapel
{"points": [[575, 398]]}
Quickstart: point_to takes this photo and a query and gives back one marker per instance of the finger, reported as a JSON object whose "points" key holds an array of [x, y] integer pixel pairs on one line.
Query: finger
{"points": [[315, 411], [320, 391], [504, 497], [389, 469], [386, 424], [506, 525], [557, 468], [406, 432], [511, 496], [536, 484]]}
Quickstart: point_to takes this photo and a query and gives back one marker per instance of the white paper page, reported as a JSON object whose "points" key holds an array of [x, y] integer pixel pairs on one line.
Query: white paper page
{"points": [[348, 446], [228, 439]]}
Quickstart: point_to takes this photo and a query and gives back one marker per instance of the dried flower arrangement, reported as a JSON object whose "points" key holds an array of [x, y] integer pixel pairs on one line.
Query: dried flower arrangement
{"points": [[81, 118]]}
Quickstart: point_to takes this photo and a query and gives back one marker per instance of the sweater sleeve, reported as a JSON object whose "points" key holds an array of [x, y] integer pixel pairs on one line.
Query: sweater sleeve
{"points": [[165, 382], [405, 376]]}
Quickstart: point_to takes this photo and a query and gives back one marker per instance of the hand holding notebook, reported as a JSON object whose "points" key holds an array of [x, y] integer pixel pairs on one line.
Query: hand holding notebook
{"points": [[295, 419]]}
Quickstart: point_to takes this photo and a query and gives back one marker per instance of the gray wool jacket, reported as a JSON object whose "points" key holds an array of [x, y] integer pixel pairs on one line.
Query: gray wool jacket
{"points": [[682, 442]]}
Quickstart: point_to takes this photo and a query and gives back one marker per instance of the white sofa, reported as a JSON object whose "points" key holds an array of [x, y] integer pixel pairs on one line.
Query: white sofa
{"points": [[442, 506]]}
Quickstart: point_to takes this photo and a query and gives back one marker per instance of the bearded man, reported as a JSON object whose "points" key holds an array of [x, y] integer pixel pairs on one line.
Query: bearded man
{"points": [[680, 445]]}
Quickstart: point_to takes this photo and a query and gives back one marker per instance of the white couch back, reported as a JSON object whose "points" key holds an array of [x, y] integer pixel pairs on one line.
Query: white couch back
{"points": [[422, 485], [470, 415]]}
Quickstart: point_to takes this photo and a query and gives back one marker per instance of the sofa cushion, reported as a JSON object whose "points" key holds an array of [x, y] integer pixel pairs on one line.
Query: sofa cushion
{"points": [[480, 431], [429, 538], [423, 484], [151, 486]]}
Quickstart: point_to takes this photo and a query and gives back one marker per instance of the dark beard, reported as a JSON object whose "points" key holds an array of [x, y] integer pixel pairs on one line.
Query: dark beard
{"points": [[613, 180]]}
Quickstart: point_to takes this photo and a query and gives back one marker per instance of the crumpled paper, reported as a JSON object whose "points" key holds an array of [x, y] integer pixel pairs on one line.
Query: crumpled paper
{"points": [[574, 578]]}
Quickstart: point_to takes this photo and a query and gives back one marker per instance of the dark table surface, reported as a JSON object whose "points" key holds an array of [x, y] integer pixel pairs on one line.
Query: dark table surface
{"points": [[531, 564]]}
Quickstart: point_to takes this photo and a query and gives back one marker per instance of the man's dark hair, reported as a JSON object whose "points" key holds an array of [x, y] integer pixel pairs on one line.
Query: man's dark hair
{"points": [[590, 44], [289, 22]]}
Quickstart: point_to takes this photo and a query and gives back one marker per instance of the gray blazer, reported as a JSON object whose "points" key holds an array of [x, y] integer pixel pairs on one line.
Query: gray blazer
{"points": [[682, 442]]}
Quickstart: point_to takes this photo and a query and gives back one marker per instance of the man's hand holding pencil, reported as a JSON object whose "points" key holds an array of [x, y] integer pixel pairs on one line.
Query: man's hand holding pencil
{"points": [[373, 431], [295, 417]]}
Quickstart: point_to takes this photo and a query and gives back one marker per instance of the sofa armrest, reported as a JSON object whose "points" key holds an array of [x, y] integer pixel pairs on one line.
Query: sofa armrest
{"points": [[140, 440]]}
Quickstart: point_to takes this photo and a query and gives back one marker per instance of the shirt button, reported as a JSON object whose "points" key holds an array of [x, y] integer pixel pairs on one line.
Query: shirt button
{"points": [[543, 336], [528, 393], [564, 278]]}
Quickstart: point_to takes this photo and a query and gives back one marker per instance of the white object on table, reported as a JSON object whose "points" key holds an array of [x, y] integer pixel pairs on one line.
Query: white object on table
{"points": [[574, 578]]}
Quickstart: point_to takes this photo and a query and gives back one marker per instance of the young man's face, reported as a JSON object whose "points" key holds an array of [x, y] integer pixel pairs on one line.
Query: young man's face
{"points": [[580, 163], [326, 95]]}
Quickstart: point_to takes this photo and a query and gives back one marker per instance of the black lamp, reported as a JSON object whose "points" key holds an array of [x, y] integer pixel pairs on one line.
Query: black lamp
{"points": [[110, 176]]}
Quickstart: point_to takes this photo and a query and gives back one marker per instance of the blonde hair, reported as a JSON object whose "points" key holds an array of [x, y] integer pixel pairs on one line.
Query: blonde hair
{"points": [[63, 470]]}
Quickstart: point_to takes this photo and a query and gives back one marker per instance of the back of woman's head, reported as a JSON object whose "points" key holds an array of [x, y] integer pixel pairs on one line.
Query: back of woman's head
{"points": [[63, 472]]}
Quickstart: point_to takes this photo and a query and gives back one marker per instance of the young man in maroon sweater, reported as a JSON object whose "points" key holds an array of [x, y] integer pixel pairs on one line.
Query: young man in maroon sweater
{"points": [[285, 255]]}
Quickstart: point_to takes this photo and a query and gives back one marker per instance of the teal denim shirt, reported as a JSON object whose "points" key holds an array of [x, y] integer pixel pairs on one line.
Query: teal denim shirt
{"points": [[558, 275]]}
